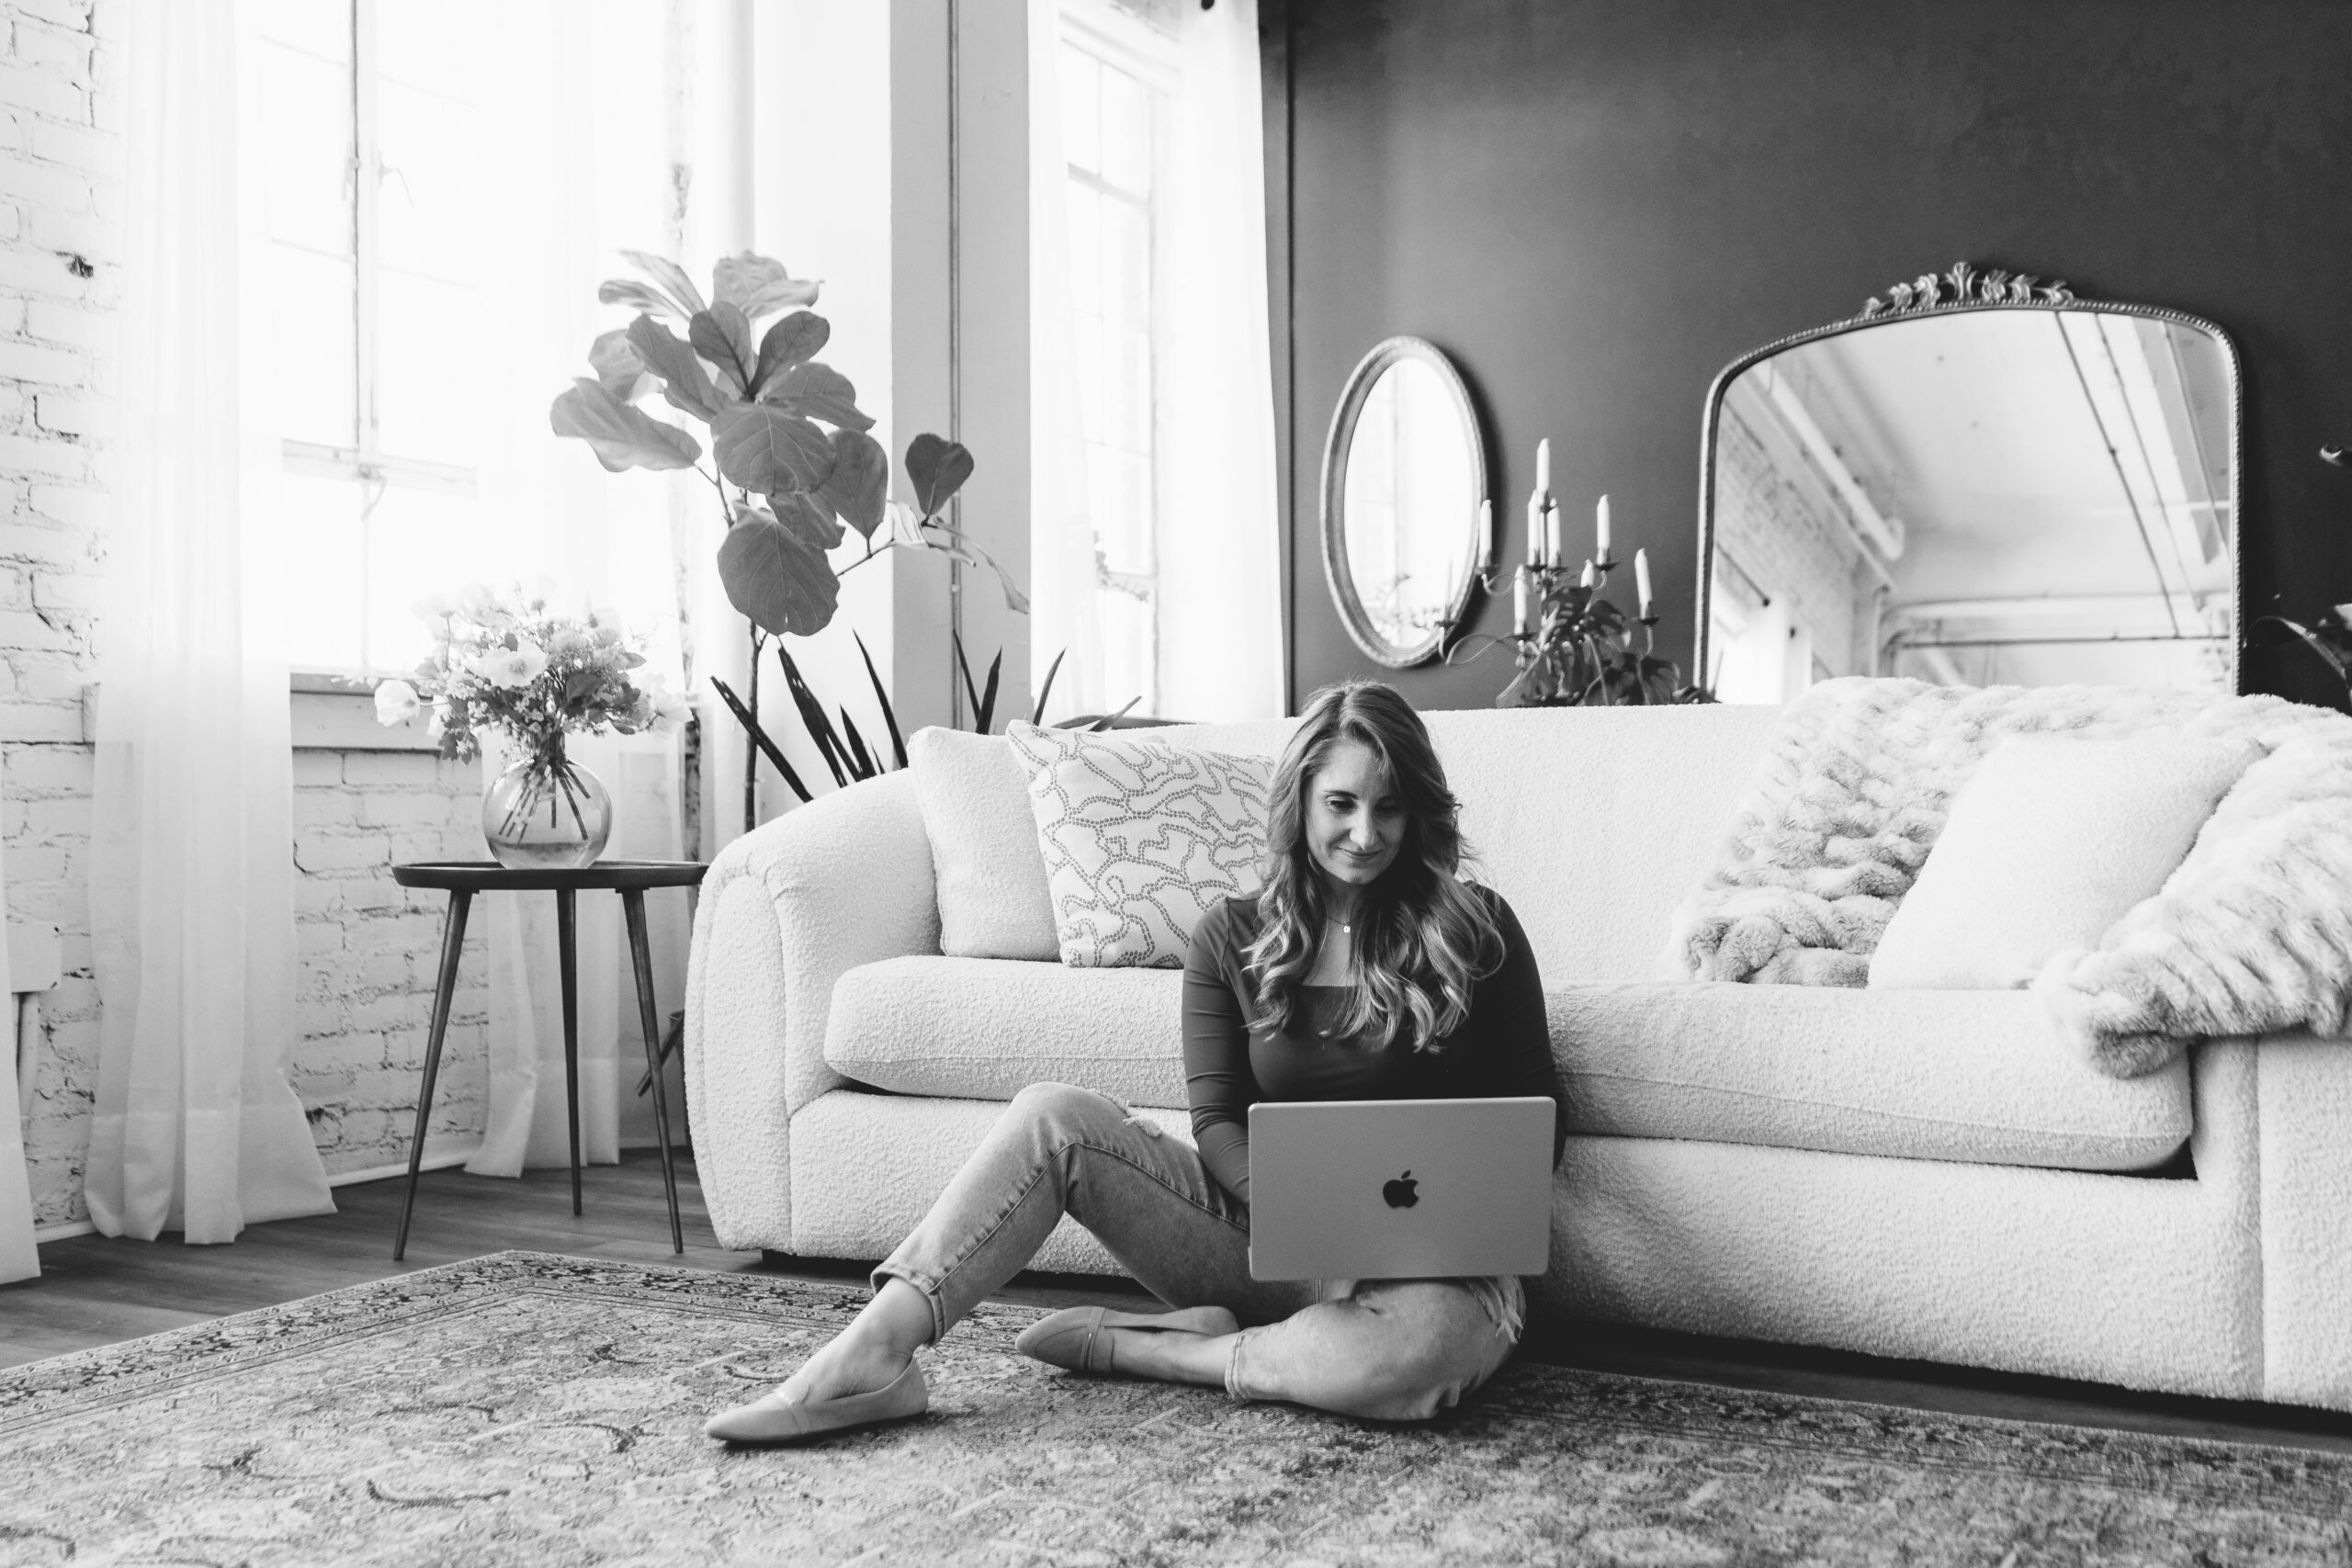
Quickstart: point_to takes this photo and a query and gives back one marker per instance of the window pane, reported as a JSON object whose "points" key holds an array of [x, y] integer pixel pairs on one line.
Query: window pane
{"points": [[321, 27], [1126, 389], [1127, 264], [326, 571], [1086, 346], [428, 201], [1119, 486], [314, 347], [419, 542], [306, 105], [1129, 655], [1126, 131], [1080, 141], [427, 408], [417, 46], [1085, 249]]}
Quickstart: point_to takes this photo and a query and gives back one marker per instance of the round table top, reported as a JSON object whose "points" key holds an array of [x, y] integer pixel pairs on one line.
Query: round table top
{"points": [[489, 876]]}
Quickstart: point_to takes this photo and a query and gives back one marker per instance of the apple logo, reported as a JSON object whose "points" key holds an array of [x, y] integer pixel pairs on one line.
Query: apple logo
{"points": [[1399, 1193]]}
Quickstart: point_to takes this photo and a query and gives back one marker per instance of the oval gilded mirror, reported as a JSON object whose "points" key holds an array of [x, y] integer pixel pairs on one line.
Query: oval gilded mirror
{"points": [[1404, 493], [1983, 481]]}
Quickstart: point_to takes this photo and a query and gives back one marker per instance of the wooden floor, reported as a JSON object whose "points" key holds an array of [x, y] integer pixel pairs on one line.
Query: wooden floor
{"points": [[95, 1290]]}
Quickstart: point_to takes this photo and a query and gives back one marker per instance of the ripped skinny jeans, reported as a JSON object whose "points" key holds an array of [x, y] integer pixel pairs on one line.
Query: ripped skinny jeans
{"points": [[1387, 1350]]}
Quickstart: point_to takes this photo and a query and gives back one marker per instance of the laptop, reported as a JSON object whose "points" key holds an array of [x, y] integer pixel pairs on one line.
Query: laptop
{"points": [[1400, 1189]]}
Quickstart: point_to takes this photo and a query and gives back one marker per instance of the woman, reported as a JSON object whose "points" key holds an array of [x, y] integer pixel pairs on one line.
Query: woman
{"points": [[1367, 969]]}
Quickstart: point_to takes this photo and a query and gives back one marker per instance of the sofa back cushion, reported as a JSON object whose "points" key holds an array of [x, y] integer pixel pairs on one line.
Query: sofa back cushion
{"points": [[975, 798]]}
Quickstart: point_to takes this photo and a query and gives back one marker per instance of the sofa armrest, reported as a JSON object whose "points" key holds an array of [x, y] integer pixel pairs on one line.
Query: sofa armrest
{"points": [[785, 911], [2305, 1111]]}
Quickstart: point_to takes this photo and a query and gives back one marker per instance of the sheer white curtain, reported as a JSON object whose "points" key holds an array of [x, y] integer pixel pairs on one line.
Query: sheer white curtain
{"points": [[1065, 619], [191, 874], [1220, 594], [19, 1258], [1220, 534], [580, 171]]}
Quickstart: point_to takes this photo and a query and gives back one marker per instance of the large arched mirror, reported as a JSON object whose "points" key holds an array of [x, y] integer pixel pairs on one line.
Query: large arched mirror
{"points": [[1979, 481], [1403, 502]]}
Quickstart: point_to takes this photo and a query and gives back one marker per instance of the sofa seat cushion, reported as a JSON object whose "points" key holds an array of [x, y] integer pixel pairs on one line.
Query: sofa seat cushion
{"points": [[987, 1028], [1982, 1078]]}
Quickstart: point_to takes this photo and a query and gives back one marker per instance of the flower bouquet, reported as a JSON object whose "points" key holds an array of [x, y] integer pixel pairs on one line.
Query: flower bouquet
{"points": [[504, 661]]}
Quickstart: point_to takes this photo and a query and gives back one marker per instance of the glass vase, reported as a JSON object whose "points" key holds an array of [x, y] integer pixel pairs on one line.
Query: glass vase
{"points": [[546, 813]]}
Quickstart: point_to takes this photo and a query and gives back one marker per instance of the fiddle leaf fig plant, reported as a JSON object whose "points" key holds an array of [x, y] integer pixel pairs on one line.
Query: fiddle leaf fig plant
{"points": [[796, 469]]}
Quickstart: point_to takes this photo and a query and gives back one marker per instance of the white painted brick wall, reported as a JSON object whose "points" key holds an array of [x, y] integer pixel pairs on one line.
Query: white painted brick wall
{"points": [[370, 948]]}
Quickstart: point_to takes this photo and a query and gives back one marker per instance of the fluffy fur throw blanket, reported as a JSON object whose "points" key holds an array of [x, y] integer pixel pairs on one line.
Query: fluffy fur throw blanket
{"points": [[2251, 934]]}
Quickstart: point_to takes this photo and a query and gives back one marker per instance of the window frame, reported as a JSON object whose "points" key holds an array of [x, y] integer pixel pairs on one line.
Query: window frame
{"points": [[1119, 39], [364, 463]]}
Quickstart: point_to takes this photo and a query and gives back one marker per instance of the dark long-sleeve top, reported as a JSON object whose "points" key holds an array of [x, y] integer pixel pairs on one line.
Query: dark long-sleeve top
{"points": [[1502, 1047]]}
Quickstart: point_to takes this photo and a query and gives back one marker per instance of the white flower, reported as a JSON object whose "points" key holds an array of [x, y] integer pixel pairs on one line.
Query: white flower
{"points": [[477, 602], [435, 606], [512, 667], [396, 703], [670, 711]]}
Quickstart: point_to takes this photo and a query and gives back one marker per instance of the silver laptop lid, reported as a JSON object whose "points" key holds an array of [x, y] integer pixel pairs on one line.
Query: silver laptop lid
{"points": [[1400, 1189]]}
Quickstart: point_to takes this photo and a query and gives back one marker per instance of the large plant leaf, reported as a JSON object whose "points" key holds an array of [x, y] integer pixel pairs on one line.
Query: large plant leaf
{"points": [[638, 296], [683, 381], [670, 278], [864, 767], [820, 392], [882, 697], [722, 335], [957, 545], [859, 476], [768, 748], [1037, 714], [808, 517], [797, 337], [813, 719], [618, 368], [938, 469], [622, 436], [770, 450], [777, 577], [758, 286]]}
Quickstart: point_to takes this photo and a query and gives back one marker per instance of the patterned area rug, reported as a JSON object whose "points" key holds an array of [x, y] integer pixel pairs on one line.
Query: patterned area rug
{"points": [[526, 1409]]}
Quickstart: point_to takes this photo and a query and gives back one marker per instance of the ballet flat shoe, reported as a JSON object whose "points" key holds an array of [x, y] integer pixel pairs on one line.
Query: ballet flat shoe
{"points": [[769, 1421], [1074, 1337]]}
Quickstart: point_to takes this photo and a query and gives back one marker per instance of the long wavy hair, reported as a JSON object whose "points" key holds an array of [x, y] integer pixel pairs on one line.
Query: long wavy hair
{"points": [[1423, 936]]}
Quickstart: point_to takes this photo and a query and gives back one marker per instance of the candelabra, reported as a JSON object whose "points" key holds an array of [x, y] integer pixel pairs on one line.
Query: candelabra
{"points": [[1570, 646]]}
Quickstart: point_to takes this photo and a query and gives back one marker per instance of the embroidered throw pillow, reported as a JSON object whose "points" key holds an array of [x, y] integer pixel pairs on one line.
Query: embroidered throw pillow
{"points": [[1140, 839]]}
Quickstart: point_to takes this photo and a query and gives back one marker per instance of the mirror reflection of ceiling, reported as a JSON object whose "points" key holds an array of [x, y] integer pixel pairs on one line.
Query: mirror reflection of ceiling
{"points": [[1410, 503], [2022, 497]]}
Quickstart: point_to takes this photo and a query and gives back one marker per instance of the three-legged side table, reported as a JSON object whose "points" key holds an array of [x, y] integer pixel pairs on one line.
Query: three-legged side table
{"points": [[461, 880]]}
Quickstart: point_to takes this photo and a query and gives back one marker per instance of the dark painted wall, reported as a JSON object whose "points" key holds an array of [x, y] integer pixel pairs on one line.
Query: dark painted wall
{"points": [[1593, 205]]}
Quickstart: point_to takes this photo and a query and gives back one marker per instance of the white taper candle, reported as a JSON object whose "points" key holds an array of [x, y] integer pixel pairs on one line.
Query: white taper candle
{"points": [[1544, 466], [1536, 529], [1485, 536], [1601, 529], [1642, 581], [1555, 553], [1518, 601], [1585, 580]]}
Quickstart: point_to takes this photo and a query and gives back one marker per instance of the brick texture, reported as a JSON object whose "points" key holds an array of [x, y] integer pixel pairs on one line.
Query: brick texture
{"points": [[368, 947]]}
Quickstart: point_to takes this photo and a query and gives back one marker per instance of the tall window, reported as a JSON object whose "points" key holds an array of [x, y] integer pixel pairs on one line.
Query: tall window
{"points": [[374, 117], [1116, 71]]}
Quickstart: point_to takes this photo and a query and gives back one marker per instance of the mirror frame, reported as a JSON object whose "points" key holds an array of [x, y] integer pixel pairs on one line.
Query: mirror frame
{"points": [[1964, 288], [1335, 447]]}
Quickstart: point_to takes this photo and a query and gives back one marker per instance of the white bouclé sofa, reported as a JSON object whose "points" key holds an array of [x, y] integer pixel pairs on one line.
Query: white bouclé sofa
{"points": [[1913, 1174]]}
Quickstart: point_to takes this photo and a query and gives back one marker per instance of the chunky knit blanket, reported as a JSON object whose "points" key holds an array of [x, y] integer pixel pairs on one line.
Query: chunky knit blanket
{"points": [[2251, 934]]}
